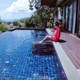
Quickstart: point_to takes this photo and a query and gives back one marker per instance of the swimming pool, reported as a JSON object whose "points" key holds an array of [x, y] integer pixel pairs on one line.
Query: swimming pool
{"points": [[18, 63]]}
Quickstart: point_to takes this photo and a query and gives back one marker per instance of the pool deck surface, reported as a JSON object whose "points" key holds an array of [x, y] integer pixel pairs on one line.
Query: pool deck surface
{"points": [[72, 48], [68, 51]]}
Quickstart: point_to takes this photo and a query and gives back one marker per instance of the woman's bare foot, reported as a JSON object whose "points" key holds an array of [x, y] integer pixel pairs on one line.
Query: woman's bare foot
{"points": [[40, 41]]}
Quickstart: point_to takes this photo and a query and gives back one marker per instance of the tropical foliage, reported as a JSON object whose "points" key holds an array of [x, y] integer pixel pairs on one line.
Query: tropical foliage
{"points": [[3, 27], [19, 23], [42, 18], [46, 13]]}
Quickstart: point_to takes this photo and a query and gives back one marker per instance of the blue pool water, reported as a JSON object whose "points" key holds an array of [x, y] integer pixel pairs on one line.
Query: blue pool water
{"points": [[18, 63]]}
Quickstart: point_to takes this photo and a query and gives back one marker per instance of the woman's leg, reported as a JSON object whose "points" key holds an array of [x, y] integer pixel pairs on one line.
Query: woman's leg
{"points": [[46, 37]]}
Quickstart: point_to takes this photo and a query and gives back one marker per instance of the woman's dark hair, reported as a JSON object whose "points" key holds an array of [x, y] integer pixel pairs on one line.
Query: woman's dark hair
{"points": [[57, 23]]}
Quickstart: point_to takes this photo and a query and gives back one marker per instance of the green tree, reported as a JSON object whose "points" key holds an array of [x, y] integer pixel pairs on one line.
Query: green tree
{"points": [[16, 23], [3, 27]]}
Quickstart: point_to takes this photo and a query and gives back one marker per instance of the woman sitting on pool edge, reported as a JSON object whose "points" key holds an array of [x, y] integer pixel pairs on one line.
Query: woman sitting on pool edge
{"points": [[56, 34]]}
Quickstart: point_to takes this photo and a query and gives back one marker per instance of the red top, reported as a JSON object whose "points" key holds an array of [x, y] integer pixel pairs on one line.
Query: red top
{"points": [[56, 35]]}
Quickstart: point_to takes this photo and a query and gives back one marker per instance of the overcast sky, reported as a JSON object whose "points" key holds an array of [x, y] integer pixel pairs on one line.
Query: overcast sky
{"points": [[14, 9]]}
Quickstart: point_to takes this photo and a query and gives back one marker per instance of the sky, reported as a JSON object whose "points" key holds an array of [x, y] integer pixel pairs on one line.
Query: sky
{"points": [[15, 9]]}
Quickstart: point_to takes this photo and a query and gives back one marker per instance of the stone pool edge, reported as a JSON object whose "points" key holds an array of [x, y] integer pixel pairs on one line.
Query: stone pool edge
{"points": [[68, 66]]}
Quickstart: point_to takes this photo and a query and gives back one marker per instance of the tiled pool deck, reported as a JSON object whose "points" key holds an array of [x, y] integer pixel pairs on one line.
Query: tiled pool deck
{"points": [[69, 67]]}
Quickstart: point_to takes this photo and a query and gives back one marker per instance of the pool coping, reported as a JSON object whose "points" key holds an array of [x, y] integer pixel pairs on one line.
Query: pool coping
{"points": [[26, 29], [69, 68]]}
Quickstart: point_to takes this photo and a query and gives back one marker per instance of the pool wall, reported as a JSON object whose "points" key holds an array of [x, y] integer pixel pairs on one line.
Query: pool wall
{"points": [[26, 29]]}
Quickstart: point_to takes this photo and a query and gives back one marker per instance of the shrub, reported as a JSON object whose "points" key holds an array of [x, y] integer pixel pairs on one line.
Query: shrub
{"points": [[3, 28], [16, 23]]}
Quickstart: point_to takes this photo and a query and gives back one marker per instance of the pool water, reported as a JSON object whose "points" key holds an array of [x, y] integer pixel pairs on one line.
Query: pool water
{"points": [[18, 63]]}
